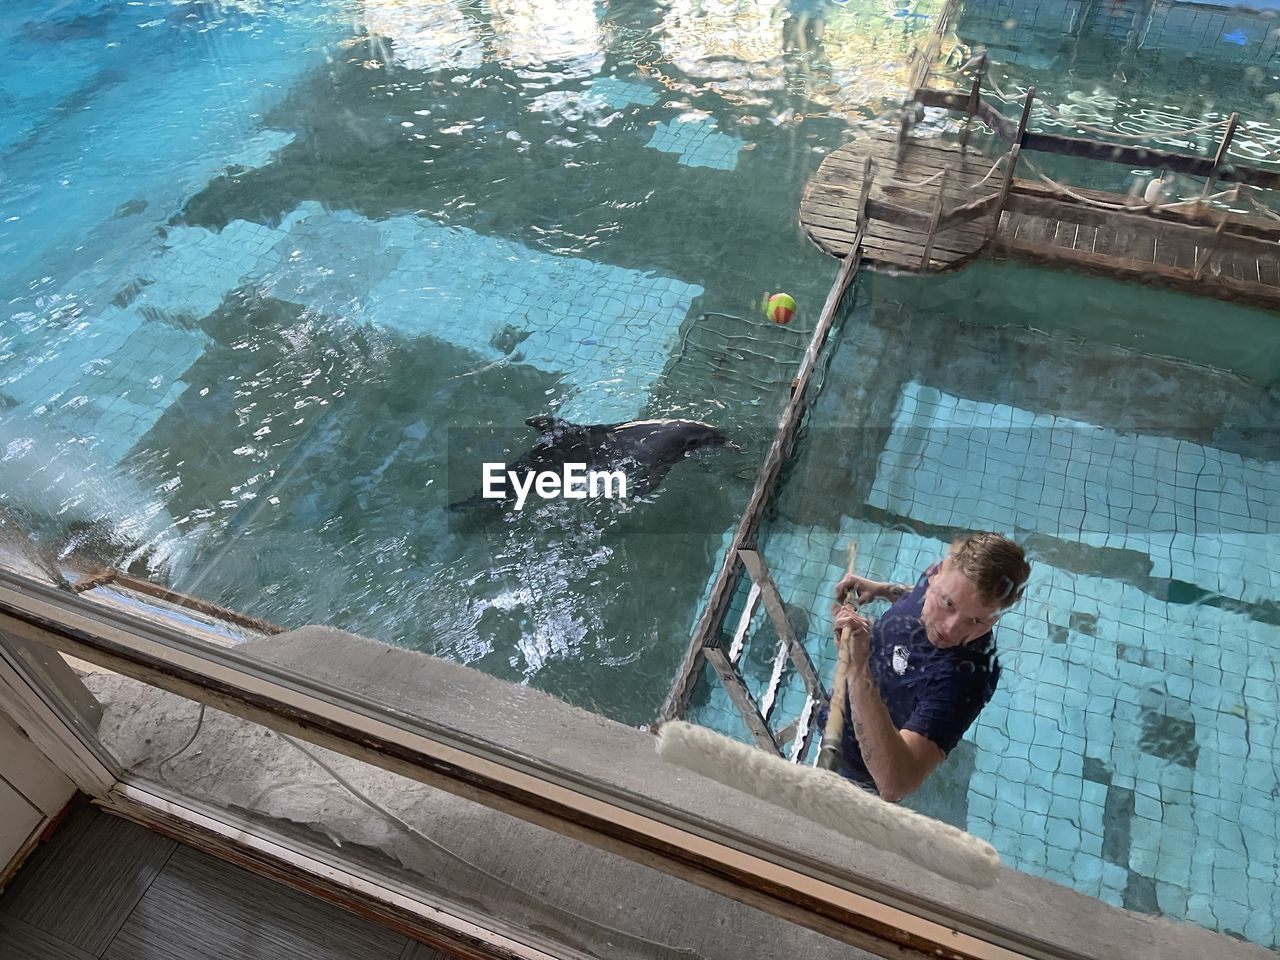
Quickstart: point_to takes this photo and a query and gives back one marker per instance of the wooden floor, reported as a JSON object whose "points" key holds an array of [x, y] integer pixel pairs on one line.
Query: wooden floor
{"points": [[1227, 256], [106, 888]]}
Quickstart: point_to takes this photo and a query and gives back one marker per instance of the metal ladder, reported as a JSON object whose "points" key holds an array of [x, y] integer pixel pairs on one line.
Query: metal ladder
{"points": [[756, 716]]}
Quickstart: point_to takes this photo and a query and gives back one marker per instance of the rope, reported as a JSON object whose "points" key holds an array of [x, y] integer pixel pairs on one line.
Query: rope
{"points": [[1087, 201], [1262, 207], [1143, 207], [999, 160], [1234, 193], [996, 87], [908, 185]]}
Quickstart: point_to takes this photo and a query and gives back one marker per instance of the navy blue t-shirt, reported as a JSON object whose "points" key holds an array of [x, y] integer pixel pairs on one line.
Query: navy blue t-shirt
{"points": [[935, 693]]}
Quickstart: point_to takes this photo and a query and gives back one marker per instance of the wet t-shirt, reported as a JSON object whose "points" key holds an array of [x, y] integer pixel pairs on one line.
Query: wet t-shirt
{"points": [[935, 693]]}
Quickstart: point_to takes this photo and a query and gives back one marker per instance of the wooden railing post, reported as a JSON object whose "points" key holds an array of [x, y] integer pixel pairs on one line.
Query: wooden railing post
{"points": [[1026, 115], [864, 193], [1005, 187], [975, 97], [1220, 156], [1210, 249], [933, 224]]}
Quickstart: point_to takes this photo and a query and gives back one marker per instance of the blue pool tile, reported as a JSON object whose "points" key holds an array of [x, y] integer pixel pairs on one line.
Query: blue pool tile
{"points": [[1173, 868], [1021, 728], [1087, 870], [621, 93], [1011, 792], [1030, 849], [1114, 877], [1041, 780], [1231, 915], [982, 783], [1060, 857], [1171, 898], [1045, 758], [1142, 860], [698, 143], [1260, 892], [1062, 832], [1112, 896], [1261, 926]]}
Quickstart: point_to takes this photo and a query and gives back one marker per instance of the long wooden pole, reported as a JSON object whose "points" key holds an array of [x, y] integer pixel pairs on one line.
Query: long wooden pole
{"points": [[833, 735], [713, 612], [975, 97], [1220, 156]]}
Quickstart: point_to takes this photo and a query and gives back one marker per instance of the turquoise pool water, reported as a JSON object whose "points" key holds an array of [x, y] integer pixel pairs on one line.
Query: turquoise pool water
{"points": [[268, 267], [1130, 752]]}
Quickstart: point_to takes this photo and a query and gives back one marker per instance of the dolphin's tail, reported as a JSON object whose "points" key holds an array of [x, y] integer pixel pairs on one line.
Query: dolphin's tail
{"points": [[460, 506]]}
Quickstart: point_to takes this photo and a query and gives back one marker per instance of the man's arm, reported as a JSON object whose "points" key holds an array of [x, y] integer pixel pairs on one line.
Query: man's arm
{"points": [[898, 760], [867, 590]]}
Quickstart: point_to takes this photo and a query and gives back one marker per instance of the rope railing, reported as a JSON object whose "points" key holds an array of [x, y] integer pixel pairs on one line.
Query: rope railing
{"points": [[1142, 206], [1214, 168], [1000, 161], [895, 183], [941, 219], [1103, 131], [1261, 207]]}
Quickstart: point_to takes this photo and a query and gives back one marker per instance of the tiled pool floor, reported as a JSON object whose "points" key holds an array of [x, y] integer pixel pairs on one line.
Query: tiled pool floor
{"points": [[1130, 751], [109, 374]]}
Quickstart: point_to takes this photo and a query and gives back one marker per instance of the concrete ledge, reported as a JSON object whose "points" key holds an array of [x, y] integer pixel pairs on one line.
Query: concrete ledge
{"points": [[531, 725], [564, 896]]}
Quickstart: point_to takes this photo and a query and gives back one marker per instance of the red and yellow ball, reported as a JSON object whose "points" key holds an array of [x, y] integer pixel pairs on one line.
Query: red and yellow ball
{"points": [[780, 308]]}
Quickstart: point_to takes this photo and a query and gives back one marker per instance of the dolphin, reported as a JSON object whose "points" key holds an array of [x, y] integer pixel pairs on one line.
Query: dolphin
{"points": [[645, 450]]}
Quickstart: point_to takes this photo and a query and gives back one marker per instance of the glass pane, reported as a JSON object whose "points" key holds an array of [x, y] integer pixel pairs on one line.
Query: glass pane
{"points": [[282, 280], [1128, 748]]}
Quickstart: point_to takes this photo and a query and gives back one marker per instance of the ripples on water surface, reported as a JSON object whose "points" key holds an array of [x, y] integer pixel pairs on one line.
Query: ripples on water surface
{"points": [[265, 260]]}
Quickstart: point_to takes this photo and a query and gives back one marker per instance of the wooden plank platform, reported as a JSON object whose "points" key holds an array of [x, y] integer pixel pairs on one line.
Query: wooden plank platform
{"points": [[1210, 253], [828, 212]]}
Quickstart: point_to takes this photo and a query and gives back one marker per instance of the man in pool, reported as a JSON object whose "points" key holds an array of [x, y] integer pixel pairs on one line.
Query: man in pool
{"points": [[919, 677]]}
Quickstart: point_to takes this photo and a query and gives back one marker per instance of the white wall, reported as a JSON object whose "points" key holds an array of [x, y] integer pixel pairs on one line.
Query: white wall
{"points": [[32, 791]]}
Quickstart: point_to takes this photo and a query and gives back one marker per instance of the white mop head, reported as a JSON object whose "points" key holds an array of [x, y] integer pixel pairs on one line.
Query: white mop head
{"points": [[832, 801]]}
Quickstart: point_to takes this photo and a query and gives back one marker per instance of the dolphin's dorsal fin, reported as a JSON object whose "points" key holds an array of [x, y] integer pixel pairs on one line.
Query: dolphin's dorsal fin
{"points": [[544, 424]]}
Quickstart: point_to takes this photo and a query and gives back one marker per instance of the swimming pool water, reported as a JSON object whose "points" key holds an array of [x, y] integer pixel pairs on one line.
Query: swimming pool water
{"points": [[269, 265], [1130, 749]]}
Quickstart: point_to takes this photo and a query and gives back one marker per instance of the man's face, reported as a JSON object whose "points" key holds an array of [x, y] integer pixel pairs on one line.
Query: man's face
{"points": [[953, 613]]}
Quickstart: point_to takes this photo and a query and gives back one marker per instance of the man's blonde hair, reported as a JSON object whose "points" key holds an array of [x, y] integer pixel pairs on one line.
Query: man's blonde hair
{"points": [[996, 565]]}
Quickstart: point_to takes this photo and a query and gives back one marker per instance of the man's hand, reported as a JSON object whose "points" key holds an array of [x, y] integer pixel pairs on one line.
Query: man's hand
{"points": [[859, 627], [864, 590]]}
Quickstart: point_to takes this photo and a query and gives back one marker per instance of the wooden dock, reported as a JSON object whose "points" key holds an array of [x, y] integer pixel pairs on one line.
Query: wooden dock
{"points": [[948, 177], [933, 206], [1235, 258]]}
